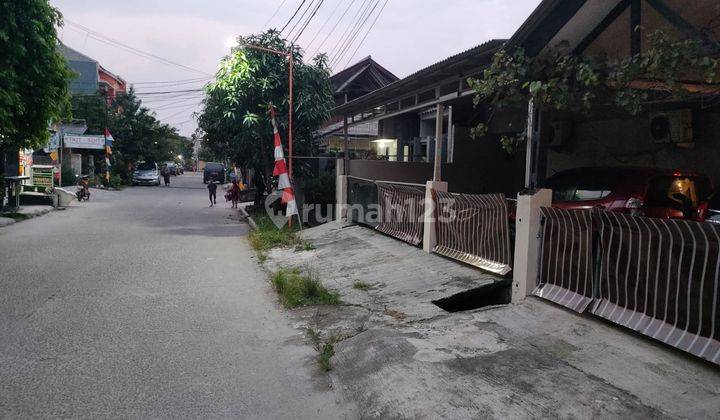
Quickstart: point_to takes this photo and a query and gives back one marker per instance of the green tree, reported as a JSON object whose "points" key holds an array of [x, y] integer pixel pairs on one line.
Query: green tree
{"points": [[93, 109], [33, 74], [235, 116]]}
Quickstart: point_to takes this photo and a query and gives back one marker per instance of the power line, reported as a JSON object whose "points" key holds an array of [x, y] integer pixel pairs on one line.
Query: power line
{"points": [[293, 16], [187, 108], [337, 6], [353, 36], [169, 91], [300, 19], [349, 27], [274, 14], [347, 9], [367, 33], [174, 82], [308, 21], [353, 31], [178, 104], [113, 42]]}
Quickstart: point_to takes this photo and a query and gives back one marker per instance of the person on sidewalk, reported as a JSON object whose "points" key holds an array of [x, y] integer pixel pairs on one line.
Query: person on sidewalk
{"points": [[234, 192], [212, 191]]}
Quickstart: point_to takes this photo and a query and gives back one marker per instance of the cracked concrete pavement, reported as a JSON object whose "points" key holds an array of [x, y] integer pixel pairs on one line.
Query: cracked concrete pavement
{"points": [[400, 356]]}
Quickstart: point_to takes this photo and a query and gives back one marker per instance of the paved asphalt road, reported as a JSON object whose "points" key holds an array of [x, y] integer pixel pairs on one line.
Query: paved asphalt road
{"points": [[146, 303]]}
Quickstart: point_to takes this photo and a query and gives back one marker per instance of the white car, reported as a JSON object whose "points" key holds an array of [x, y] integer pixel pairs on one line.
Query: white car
{"points": [[146, 173]]}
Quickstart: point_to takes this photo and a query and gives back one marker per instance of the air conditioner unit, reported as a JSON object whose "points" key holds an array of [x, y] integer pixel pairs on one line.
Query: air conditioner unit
{"points": [[672, 127]]}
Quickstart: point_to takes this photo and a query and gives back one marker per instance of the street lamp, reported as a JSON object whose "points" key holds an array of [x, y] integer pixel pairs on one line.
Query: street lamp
{"points": [[290, 93]]}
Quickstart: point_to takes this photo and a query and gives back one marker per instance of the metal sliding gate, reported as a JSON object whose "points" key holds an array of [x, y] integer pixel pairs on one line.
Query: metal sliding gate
{"points": [[474, 229], [658, 277]]}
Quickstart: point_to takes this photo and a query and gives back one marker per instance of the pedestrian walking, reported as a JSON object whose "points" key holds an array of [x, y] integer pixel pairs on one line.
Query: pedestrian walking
{"points": [[234, 193], [212, 192], [166, 175]]}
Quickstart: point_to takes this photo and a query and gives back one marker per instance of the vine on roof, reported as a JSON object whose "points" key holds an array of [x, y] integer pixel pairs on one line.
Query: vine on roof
{"points": [[565, 82]]}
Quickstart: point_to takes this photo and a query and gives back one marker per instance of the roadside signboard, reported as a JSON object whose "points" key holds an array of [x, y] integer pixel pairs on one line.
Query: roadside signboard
{"points": [[76, 141]]}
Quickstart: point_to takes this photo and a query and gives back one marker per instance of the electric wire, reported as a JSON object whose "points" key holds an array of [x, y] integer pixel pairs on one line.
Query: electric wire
{"points": [[351, 37], [349, 28], [300, 19], [347, 9], [330, 16], [293, 16], [308, 21], [362, 41], [110, 41], [274, 14]]}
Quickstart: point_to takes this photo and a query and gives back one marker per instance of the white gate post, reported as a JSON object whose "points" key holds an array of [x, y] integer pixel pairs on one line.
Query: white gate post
{"points": [[429, 236], [527, 242], [341, 196]]}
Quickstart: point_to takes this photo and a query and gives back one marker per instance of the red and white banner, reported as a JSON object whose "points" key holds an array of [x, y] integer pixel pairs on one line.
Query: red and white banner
{"points": [[280, 171]]}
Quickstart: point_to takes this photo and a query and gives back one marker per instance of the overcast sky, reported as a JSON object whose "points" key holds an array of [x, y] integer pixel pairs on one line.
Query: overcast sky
{"points": [[408, 35]]}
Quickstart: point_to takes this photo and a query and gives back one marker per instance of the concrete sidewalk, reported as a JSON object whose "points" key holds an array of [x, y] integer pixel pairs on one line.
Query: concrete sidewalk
{"points": [[399, 356], [29, 211]]}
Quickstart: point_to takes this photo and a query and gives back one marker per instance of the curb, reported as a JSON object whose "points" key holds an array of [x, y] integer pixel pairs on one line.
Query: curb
{"points": [[7, 221], [250, 220]]}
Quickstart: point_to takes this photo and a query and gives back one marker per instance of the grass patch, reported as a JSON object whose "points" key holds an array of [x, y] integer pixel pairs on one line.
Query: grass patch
{"points": [[15, 215], [302, 289], [268, 236], [361, 286]]}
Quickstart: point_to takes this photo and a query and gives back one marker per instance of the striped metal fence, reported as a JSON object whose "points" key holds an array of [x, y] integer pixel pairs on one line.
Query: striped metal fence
{"points": [[658, 277], [401, 211], [566, 266], [474, 229]]}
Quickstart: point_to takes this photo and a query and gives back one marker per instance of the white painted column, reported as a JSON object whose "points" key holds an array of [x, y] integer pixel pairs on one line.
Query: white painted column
{"points": [[527, 242], [340, 190], [429, 235]]}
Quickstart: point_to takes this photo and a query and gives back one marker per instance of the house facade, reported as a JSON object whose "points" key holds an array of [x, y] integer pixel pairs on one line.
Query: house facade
{"points": [[356, 81]]}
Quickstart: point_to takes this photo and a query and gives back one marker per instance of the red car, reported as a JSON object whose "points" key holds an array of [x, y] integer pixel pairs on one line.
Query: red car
{"points": [[651, 192]]}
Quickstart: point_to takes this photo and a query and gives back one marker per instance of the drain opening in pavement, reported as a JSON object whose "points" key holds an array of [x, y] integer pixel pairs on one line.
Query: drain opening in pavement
{"points": [[497, 293]]}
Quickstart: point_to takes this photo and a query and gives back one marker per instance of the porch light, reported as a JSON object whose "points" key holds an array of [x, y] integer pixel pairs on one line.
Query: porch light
{"points": [[383, 141]]}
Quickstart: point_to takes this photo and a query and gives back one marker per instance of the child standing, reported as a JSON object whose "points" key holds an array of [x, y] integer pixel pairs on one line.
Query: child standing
{"points": [[212, 192]]}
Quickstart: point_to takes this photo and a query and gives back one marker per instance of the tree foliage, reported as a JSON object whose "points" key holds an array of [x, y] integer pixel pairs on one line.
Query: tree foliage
{"points": [[138, 134], [235, 116], [33, 74], [564, 82]]}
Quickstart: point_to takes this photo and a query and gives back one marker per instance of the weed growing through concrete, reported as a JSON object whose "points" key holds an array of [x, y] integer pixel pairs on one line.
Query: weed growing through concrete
{"points": [[328, 351], [325, 350], [361, 286], [302, 289], [305, 246]]}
